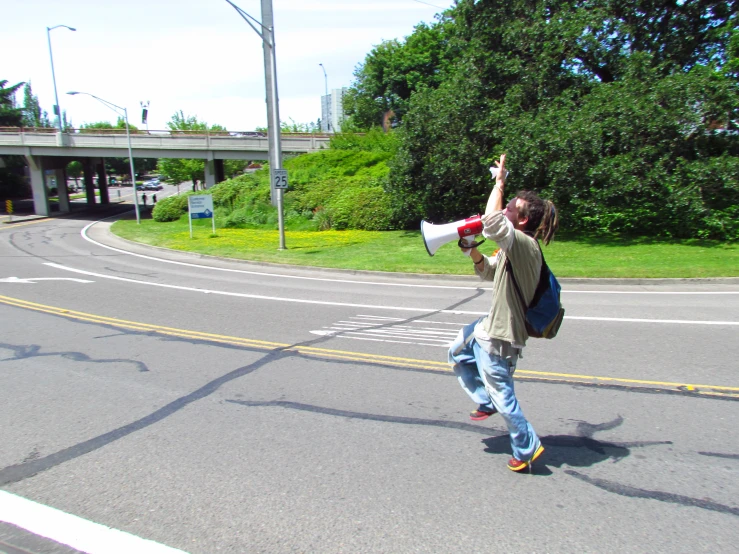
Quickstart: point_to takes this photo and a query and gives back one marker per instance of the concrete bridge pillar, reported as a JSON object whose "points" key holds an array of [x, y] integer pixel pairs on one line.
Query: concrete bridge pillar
{"points": [[103, 182], [38, 185], [88, 168], [214, 172], [60, 176]]}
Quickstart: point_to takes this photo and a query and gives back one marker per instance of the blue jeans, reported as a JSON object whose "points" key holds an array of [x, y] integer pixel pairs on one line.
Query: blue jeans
{"points": [[488, 380]]}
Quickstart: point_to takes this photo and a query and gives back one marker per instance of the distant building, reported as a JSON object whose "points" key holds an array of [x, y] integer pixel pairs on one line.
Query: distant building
{"points": [[332, 110]]}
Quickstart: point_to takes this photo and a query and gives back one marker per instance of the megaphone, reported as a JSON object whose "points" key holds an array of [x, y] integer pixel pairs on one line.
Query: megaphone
{"points": [[436, 235]]}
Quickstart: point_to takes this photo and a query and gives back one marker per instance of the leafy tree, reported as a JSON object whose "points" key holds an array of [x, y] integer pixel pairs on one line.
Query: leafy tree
{"points": [[394, 70], [179, 170], [617, 111], [10, 115], [33, 115]]}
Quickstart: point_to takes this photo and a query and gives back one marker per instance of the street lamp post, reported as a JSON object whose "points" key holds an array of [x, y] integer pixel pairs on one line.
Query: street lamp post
{"points": [[130, 153], [328, 117], [267, 34], [53, 75]]}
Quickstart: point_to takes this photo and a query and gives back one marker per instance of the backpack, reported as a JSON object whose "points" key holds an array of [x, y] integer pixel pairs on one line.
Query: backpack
{"points": [[545, 312]]}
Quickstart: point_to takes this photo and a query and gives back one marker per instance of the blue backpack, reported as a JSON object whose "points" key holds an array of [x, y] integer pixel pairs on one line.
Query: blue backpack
{"points": [[545, 312]]}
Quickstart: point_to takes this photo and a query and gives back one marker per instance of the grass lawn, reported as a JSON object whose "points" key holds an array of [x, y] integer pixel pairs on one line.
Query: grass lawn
{"points": [[403, 251]]}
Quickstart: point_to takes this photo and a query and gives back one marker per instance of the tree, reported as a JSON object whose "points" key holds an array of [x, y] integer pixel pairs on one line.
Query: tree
{"points": [[179, 170], [10, 115], [394, 70], [618, 112], [33, 115]]}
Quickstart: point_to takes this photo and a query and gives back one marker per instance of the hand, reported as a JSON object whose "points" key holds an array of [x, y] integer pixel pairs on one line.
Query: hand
{"points": [[468, 251], [499, 172]]}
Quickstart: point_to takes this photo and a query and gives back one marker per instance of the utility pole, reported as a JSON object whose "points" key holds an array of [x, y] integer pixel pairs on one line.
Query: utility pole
{"points": [[267, 34]]}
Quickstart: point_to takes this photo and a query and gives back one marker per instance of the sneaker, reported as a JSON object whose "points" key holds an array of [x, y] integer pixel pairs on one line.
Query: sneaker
{"points": [[479, 414], [519, 465]]}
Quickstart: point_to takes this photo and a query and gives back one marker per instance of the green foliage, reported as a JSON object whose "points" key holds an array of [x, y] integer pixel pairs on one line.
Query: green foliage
{"points": [[33, 115], [393, 71], [171, 208], [366, 208], [339, 188], [10, 115], [611, 110], [179, 170]]}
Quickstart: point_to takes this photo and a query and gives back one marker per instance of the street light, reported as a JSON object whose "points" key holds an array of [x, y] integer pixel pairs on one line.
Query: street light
{"points": [[267, 35], [328, 118], [53, 76], [128, 136]]}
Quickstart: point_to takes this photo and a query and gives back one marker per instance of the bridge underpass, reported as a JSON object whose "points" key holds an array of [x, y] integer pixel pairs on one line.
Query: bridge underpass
{"points": [[49, 151]]}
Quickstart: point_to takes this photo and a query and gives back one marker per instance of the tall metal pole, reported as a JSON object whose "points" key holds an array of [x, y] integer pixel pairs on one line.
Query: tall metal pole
{"points": [[133, 172], [53, 75], [115, 108], [267, 34]]}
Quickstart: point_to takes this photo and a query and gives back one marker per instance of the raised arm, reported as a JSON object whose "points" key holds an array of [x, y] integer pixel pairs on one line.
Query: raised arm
{"points": [[495, 202]]}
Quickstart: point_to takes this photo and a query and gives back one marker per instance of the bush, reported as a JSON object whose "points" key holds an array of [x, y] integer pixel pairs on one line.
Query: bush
{"points": [[366, 208], [171, 208]]}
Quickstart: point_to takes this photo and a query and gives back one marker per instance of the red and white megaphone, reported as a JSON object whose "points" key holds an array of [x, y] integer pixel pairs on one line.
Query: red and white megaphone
{"points": [[436, 235]]}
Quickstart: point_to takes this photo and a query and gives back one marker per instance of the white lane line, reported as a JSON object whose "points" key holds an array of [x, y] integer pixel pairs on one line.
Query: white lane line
{"points": [[648, 292], [83, 232], [260, 296], [638, 320], [74, 531], [369, 306]]}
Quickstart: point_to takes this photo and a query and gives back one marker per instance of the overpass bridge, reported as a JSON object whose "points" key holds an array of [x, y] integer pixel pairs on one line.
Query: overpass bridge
{"points": [[48, 150]]}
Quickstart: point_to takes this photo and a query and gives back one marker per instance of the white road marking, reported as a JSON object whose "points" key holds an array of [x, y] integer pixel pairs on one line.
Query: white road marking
{"points": [[74, 531], [83, 232], [370, 306], [32, 280]]}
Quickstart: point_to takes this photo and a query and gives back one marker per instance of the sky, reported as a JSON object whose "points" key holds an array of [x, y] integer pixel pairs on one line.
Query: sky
{"points": [[198, 56]]}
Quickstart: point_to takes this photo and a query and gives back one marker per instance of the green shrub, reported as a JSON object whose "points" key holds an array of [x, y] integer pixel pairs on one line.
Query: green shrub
{"points": [[366, 208], [171, 208]]}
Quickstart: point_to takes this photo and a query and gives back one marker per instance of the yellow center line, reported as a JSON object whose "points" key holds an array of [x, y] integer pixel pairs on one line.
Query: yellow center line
{"points": [[429, 365]]}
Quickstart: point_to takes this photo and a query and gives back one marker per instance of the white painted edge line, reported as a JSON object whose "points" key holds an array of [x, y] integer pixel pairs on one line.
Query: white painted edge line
{"points": [[83, 232], [638, 320], [369, 306], [72, 530]]}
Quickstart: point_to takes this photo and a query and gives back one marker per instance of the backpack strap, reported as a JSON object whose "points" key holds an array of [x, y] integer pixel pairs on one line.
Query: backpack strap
{"points": [[509, 268]]}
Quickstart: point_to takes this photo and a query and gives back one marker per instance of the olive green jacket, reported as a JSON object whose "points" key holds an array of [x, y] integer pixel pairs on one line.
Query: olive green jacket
{"points": [[506, 321]]}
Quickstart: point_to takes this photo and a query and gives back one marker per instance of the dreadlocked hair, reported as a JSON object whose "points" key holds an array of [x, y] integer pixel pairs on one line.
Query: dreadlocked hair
{"points": [[543, 220]]}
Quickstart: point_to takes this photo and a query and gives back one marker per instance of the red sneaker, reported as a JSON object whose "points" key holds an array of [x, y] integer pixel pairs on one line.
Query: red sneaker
{"points": [[519, 465], [479, 415]]}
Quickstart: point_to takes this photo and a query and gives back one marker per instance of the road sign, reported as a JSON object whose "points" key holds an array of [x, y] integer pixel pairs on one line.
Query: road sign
{"points": [[9, 206], [279, 178], [200, 206]]}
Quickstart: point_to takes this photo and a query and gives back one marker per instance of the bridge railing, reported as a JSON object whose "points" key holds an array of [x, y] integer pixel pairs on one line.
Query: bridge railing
{"points": [[165, 140]]}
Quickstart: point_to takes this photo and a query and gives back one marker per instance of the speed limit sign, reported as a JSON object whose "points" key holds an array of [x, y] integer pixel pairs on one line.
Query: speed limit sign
{"points": [[279, 178]]}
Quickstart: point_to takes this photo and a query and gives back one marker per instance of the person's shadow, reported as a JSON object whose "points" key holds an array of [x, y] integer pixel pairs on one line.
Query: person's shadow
{"points": [[579, 450]]}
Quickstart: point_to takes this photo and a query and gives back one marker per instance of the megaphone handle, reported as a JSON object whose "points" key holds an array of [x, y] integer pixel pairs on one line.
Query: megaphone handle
{"points": [[463, 244]]}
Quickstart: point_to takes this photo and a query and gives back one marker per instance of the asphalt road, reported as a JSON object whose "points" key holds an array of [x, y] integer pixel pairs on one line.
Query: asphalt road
{"points": [[206, 405]]}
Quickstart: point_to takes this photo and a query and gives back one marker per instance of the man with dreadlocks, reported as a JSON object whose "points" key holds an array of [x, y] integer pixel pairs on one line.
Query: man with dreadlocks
{"points": [[485, 353]]}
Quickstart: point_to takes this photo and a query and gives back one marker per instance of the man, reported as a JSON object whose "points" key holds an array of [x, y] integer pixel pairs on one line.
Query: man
{"points": [[485, 353]]}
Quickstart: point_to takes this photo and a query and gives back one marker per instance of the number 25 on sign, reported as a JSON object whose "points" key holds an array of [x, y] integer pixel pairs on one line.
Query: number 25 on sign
{"points": [[279, 178]]}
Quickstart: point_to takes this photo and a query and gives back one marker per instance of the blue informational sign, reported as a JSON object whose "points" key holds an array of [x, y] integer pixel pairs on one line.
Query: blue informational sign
{"points": [[200, 206]]}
